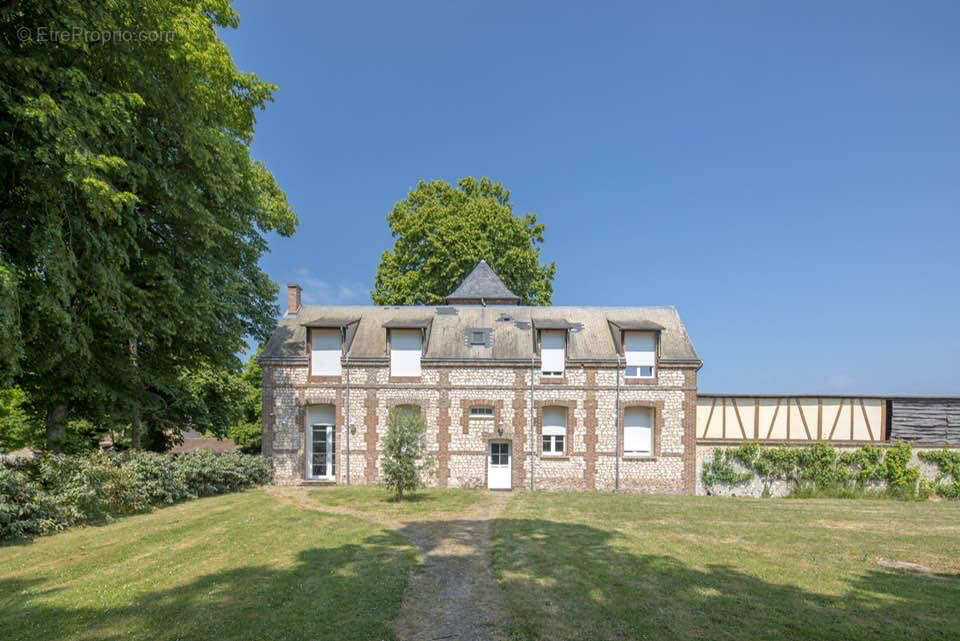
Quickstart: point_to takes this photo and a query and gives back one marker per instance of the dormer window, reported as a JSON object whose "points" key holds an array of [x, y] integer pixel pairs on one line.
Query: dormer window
{"points": [[553, 352], [406, 349], [325, 351], [640, 349]]}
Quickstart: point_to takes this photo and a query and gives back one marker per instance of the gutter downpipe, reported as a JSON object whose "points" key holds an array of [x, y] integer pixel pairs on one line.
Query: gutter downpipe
{"points": [[616, 426], [533, 445], [348, 418]]}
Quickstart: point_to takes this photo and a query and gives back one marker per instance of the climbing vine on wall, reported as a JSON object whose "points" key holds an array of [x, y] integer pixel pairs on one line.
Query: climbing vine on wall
{"points": [[821, 470], [947, 483]]}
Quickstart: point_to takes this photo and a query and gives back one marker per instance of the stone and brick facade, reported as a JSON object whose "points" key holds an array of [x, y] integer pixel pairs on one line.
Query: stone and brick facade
{"points": [[594, 391], [459, 443]]}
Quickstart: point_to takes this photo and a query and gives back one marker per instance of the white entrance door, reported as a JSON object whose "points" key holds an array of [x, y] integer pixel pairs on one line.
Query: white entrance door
{"points": [[321, 456], [498, 466]]}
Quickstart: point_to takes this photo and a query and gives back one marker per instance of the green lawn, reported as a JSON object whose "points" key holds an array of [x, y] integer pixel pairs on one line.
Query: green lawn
{"points": [[572, 566], [378, 501], [242, 566], [598, 566]]}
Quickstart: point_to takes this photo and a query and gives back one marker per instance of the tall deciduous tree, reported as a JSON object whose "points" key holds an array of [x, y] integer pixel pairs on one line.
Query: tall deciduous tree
{"points": [[443, 231], [132, 216]]}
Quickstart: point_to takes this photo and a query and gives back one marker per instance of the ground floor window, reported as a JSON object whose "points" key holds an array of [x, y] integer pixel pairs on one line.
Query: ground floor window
{"points": [[554, 430], [553, 445]]}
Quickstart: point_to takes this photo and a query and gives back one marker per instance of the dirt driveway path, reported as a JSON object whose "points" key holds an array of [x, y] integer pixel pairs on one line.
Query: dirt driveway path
{"points": [[453, 595]]}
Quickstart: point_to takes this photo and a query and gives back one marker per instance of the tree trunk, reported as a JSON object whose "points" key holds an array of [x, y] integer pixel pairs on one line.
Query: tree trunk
{"points": [[135, 413], [135, 427], [56, 424]]}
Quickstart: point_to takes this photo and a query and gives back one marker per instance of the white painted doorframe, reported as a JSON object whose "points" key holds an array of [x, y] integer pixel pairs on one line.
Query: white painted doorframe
{"points": [[321, 461], [499, 465]]}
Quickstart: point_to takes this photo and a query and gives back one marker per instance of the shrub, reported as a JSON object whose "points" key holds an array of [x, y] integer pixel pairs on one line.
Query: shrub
{"points": [[57, 490], [404, 460]]}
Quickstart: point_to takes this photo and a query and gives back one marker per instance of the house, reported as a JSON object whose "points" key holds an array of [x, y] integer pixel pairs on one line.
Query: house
{"points": [[514, 397], [194, 441]]}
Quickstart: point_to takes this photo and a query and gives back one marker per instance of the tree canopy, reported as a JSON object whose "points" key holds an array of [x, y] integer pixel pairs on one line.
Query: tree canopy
{"points": [[132, 215], [442, 231]]}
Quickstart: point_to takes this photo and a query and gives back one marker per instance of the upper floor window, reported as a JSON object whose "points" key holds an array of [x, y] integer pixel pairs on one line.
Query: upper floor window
{"points": [[406, 348], [638, 431], [640, 349], [481, 412], [554, 430], [553, 352], [478, 337], [325, 351]]}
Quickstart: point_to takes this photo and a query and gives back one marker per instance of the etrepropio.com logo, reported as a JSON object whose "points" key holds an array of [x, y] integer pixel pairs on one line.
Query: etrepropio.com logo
{"points": [[80, 34]]}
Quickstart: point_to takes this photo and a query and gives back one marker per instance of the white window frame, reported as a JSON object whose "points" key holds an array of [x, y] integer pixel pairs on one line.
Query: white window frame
{"points": [[481, 411], [640, 350], [404, 359], [554, 431], [632, 414], [326, 349], [474, 334], [549, 361]]}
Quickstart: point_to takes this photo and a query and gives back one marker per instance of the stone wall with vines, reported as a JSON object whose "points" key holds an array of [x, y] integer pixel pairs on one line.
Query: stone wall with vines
{"points": [[821, 470]]}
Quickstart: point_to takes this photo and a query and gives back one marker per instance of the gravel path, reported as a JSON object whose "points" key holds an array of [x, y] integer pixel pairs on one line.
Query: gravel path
{"points": [[453, 596]]}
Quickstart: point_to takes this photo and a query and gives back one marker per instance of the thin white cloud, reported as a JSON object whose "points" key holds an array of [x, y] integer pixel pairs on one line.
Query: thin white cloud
{"points": [[840, 382], [317, 291]]}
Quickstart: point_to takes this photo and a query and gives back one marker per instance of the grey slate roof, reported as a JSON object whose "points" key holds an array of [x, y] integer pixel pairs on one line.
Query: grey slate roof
{"points": [[483, 283], [591, 333]]}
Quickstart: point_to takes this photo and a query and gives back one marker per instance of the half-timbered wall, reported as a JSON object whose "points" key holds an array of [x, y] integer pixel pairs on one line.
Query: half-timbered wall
{"points": [[791, 418]]}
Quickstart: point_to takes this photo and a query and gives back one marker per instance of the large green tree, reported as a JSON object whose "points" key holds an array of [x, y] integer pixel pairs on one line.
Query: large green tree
{"points": [[442, 231], [132, 215]]}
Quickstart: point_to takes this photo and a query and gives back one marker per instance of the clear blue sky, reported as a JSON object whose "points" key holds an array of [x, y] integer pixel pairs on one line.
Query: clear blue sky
{"points": [[786, 174]]}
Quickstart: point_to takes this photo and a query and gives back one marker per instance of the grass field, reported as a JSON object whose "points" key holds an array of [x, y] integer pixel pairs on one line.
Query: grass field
{"points": [[599, 566], [378, 501], [241, 566], [571, 565]]}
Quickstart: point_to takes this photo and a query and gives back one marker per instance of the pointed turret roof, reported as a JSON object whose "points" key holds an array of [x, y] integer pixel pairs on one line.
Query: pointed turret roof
{"points": [[482, 285]]}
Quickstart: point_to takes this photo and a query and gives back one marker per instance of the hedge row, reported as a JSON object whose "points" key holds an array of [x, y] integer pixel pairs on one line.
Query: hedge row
{"points": [[57, 491], [821, 470]]}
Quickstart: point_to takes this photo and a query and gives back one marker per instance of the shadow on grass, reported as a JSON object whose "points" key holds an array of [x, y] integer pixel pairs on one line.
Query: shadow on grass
{"points": [[348, 592], [570, 581], [419, 497]]}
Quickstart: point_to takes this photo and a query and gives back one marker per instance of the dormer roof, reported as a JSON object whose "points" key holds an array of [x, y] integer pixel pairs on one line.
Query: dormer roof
{"points": [[482, 285]]}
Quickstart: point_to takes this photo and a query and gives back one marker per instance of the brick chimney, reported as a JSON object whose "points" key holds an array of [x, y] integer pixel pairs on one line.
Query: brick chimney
{"points": [[293, 298]]}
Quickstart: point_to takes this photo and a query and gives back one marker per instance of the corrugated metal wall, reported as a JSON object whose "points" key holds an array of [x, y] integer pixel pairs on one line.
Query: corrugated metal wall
{"points": [[925, 420]]}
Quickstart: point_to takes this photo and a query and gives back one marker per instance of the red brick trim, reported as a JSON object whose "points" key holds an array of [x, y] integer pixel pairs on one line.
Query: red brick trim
{"points": [[590, 438], [553, 380], [405, 379], [443, 432], [520, 417], [370, 438], [657, 407], [467, 403], [324, 379], [571, 407], [690, 432]]}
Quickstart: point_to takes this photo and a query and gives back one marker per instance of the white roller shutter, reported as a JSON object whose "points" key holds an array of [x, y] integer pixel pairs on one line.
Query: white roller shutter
{"points": [[638, 430], [320, 415], [554, 421], [325, 352], [640, 348], [552, 350], [406, 347]]}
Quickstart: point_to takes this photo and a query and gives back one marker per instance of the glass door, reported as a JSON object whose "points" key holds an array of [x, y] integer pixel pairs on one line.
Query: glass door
{"points": [[323, 452]]}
